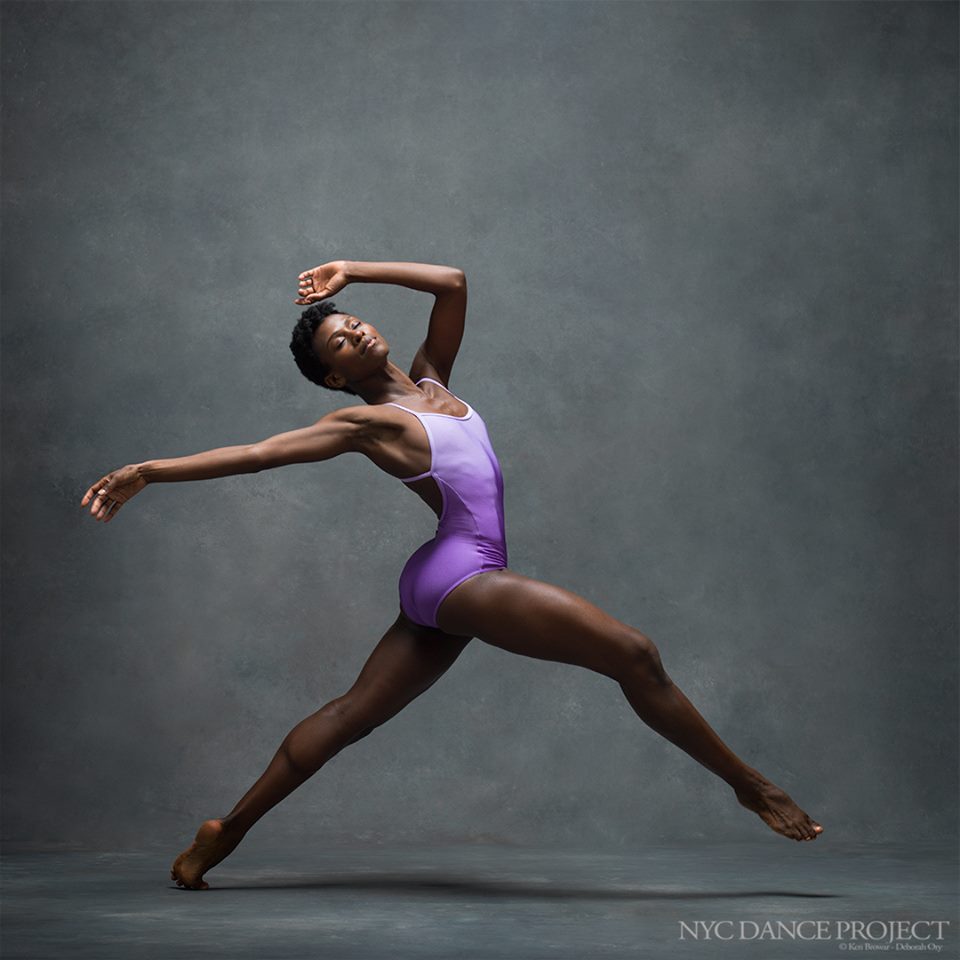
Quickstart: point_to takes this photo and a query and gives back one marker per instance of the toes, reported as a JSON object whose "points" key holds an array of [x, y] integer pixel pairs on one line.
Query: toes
{"points": [[811, 830], [200, 885]]}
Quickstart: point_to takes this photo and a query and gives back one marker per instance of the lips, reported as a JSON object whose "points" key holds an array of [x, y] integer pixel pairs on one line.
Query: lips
{"points": [[369, 342]]}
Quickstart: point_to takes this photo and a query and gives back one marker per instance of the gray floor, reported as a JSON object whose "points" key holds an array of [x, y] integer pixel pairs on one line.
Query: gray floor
{"points": [[476, 901]]}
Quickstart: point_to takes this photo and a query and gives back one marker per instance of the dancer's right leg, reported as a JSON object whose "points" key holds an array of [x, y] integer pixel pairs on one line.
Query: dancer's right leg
{"points": [[407, 661], [537, 619]]}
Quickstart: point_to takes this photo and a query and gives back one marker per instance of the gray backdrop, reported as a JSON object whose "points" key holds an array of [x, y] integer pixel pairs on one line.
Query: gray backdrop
{"points": [[711, 256]]}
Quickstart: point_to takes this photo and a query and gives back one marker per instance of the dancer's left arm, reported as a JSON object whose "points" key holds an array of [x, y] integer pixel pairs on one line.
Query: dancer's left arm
{"points": [[341, 431], [330, 278]]}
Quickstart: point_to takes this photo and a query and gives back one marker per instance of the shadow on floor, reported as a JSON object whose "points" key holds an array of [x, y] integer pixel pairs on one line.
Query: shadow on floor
{"points": [[393, 884]]}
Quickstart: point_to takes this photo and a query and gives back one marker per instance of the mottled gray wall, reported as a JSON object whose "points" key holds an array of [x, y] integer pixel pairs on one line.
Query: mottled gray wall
{"points": [[711, 253]]}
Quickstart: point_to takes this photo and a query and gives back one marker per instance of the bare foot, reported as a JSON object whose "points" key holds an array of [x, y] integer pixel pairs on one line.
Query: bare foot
{"points": [[779, 812], [213, 843]]}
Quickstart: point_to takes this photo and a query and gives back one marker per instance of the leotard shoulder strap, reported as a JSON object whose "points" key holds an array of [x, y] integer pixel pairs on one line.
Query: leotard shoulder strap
{"points": [[431, 413], [437, 382]]}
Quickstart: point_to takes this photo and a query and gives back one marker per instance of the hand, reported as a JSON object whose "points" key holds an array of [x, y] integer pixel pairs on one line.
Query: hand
{"points": [[322, 282], [112, 491]]}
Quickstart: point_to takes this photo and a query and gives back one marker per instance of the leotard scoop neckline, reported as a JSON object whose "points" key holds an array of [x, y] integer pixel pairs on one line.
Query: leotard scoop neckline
{"points": [[431, 413]]}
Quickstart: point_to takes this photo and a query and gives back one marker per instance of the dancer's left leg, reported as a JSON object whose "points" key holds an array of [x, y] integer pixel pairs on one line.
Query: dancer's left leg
{"points": [[407, 661]]}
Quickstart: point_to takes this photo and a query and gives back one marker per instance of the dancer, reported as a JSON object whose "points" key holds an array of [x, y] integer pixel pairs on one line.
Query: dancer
{"points": [[455, 587]]}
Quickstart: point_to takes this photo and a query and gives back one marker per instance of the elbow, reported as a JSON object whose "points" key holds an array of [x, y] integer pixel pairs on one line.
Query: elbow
{"points": [[256, 459], [453, 278]]}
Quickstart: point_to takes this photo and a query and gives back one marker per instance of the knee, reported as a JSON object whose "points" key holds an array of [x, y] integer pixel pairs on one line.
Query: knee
{"points": [[641, 658], [322, 735], [355, 716]]}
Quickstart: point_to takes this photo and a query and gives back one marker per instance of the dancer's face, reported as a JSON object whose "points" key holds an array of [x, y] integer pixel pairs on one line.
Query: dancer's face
{"points": [[343, 343]]}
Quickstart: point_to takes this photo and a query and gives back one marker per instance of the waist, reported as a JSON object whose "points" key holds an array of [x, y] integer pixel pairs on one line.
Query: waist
{"points": [[476, 519], [492, 550]]}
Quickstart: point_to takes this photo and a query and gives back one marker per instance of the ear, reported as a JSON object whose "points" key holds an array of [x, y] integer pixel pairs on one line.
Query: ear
{"points": [[335, 380]]}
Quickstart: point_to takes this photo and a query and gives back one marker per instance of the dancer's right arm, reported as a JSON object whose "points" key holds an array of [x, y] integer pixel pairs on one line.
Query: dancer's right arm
{"points": [[338, 432]]}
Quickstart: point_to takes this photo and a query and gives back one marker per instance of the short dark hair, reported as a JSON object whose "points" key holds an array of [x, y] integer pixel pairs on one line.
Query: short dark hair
{"points": [[301, 344]]}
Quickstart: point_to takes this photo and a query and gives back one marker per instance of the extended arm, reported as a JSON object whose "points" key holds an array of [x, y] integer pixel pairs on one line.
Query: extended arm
{"points": [[339, 432], [330, 436]]}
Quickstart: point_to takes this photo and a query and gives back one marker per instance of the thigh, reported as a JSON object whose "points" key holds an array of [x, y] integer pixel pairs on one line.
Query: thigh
{"points": [[537, 619], [407, 661]]}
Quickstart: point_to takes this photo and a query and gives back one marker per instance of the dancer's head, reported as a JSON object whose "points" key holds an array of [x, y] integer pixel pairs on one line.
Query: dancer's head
{"points": [[333, 349]]}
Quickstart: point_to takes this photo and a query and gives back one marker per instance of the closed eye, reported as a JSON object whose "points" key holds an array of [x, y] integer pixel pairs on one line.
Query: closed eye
{"points": [[340, 342]]}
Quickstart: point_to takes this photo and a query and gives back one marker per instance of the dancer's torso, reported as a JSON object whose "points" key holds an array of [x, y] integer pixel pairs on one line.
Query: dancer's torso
{"points": [[465, 471]]}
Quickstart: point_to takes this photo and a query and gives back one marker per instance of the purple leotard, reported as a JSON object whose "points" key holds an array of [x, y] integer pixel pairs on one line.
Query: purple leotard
{"points": [[470, 537]]}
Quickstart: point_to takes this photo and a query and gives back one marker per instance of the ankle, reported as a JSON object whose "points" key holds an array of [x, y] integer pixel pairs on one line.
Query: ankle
{"points": [[232, 827], [749, 782]]}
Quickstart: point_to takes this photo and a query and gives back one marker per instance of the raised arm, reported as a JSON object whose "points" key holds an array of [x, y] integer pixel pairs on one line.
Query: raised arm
{"points": [[428, 277], [436, 354], [338, 432]]}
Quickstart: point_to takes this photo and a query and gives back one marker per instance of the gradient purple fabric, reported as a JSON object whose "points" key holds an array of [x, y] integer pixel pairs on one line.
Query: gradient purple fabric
{"points": [[470, 537]]}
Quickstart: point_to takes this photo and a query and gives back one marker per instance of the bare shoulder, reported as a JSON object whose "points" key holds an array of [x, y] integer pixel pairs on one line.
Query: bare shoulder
{"points": [[368, 423], [385, 435], [358, 415]]}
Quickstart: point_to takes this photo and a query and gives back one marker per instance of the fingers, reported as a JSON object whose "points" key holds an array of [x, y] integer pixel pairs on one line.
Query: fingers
{"points": [[308, 289], [99, 489], [311, 297], [305, 289], [97, 486], [104, 505], [306, 284]]}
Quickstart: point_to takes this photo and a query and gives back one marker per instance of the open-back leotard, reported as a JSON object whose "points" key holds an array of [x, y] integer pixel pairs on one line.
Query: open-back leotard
{"points": [[470, 537]]}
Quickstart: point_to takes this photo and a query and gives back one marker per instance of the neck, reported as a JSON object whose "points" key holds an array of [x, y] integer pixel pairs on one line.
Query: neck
{"points": [[389, 382]]}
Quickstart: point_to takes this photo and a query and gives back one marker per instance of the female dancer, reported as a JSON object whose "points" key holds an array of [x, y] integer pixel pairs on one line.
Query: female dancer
{"points": [[455, 587]]}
